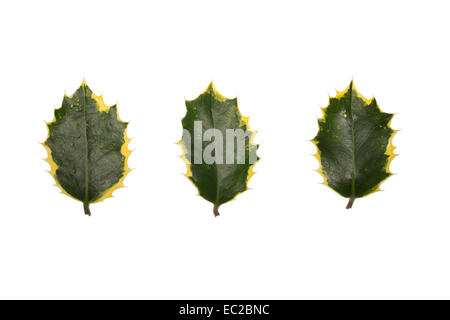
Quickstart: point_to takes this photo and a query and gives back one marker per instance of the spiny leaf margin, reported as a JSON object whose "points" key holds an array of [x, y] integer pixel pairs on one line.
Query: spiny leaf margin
{"points": [[245, 121], [389, 152], [125, 151]]}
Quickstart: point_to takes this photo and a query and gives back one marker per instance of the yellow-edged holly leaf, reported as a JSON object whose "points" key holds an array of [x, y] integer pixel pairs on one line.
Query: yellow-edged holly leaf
{"points": [[87, 148], [217, 147], [354, 145]]}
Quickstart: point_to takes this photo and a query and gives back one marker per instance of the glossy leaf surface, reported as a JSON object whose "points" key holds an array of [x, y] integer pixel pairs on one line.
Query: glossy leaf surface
{"points": [[87, 147], [221, 181], [354, 145]]}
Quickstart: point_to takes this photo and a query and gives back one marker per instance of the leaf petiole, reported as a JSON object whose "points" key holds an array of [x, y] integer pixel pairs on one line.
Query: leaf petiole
{"points": [[350, 203], [87, 211], [216, 211]]}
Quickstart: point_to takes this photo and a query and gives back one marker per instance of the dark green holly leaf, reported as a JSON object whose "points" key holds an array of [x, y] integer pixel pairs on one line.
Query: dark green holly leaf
{"points": [[87, 148], [354, 145], [218, 147]]}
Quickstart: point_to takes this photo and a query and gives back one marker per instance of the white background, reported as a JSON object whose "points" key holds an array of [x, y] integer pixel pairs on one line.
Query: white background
{"points": [[287, 237]]}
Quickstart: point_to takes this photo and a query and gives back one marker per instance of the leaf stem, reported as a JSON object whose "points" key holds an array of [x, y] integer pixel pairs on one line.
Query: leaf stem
{"points": [[87, 211], [216, 211], [350, 203]]}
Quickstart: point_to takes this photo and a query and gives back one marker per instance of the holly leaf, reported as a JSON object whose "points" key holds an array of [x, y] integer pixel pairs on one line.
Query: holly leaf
{"points": [[217, 147], [354, 145], [87, 148]]}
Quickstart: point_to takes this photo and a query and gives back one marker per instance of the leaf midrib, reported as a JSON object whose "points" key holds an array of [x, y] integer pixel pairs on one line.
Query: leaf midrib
{"points": [[216, 202], [86, 159], [353, 144]]}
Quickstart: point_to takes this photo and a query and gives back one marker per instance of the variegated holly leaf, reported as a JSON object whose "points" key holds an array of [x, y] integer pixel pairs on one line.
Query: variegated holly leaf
{"points": [[354, 145], [218, 147], [87, 148]]}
